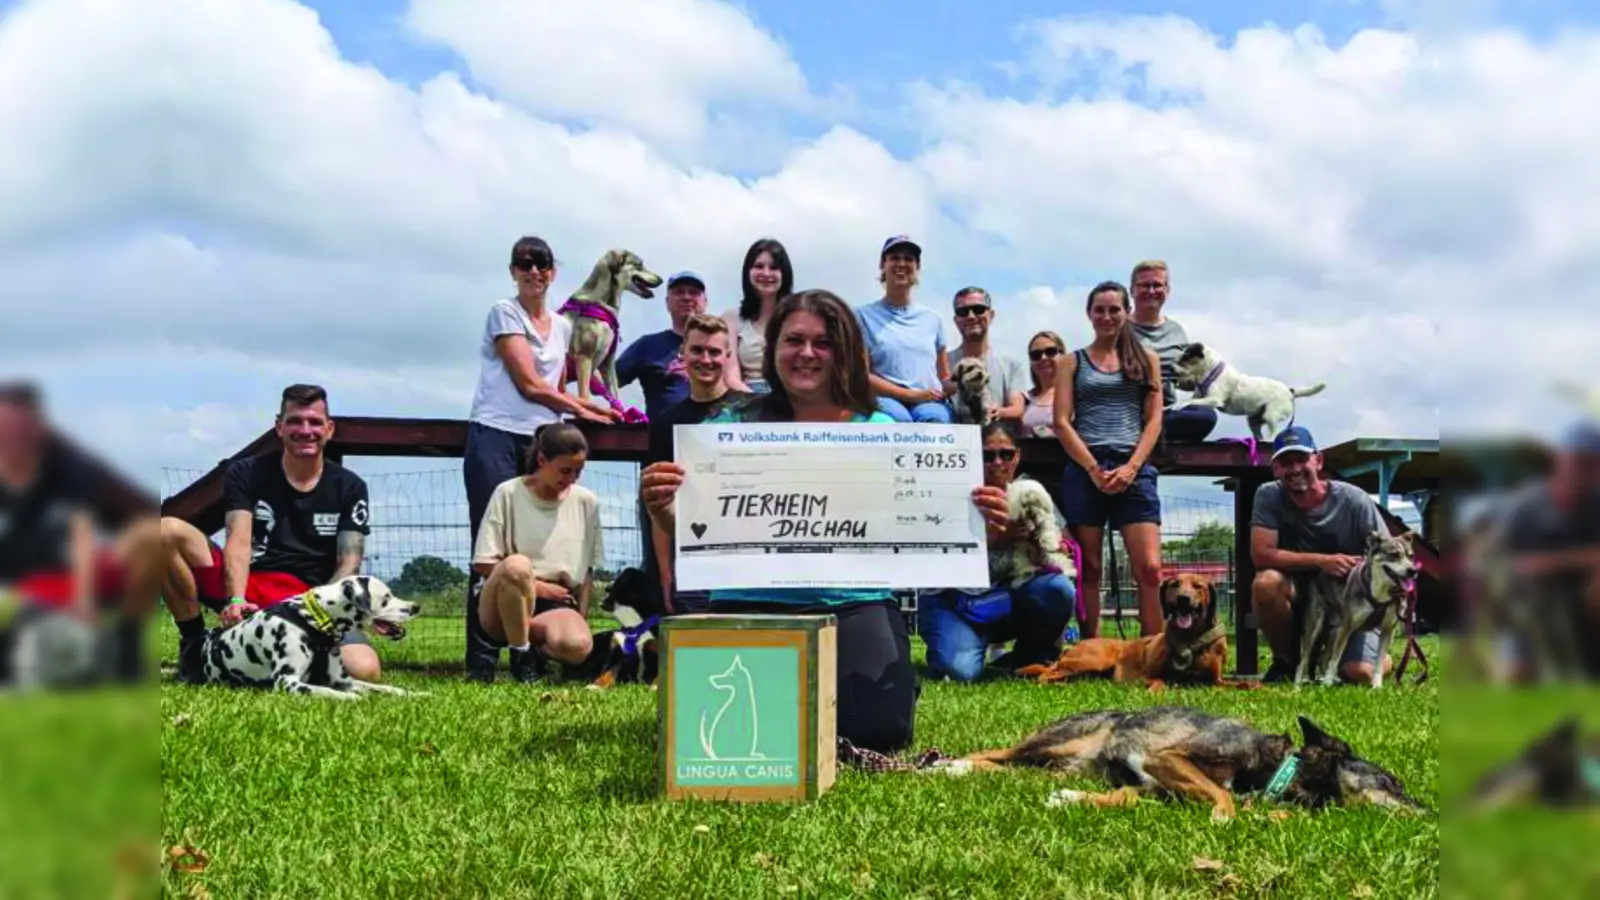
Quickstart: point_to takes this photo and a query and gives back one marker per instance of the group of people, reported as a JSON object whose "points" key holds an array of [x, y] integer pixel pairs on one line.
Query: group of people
{"points": [[298, 519]]}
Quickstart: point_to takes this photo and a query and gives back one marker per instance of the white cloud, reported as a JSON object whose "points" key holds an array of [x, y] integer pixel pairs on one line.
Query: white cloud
{"points": [[652, 66], [225, 203]]}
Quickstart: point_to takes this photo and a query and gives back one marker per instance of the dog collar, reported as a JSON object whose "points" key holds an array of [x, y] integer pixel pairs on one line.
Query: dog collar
{"points": [[1281, 778], [1589, 768], [319, 617], [1210, 379]]}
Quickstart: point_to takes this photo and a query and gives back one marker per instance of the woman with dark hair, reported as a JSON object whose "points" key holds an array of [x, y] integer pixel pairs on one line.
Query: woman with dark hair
{"points": [[538, 548], [816, 364], [522, 363], [1031, 607], [768, 277], [1108, 416]]}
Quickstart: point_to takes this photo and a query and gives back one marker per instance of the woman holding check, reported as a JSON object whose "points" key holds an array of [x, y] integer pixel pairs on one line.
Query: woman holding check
{"points": [[816, 365], [1107, 416]]}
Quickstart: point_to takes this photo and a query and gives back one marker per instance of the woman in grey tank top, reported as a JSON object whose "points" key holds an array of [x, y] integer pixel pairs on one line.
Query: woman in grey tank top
{"points": [[1108, 416]]}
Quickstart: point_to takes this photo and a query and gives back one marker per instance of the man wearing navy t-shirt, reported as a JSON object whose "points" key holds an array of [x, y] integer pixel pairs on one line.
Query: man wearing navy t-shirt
{"points": [[654, 360]]}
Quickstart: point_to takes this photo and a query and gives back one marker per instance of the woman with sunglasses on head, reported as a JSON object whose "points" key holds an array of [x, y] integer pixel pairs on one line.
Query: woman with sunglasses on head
{"points": [[1038, 410], [1108, 417], [768, 277], [958, 626], [522, 362], [816, 365]]}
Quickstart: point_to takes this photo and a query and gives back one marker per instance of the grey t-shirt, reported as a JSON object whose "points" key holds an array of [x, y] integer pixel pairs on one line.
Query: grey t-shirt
{"points": [[1167, 340], [1531, 522], [1339, 525], [1005, 373]]}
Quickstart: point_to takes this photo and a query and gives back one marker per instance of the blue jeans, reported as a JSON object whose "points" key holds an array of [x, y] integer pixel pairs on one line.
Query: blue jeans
{"points": [[1040, 611], [922, 412]]}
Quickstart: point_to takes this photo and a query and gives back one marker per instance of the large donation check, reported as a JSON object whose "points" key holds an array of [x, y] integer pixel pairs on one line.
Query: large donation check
{"points": [[786, 505]]}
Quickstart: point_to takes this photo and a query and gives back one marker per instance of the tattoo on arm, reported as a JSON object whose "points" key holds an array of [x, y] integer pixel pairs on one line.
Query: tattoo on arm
{"points": [[351, 547]]}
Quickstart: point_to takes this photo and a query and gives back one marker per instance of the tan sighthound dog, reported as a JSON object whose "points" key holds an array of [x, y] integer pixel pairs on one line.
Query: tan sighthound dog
{"points": [[595, 311]]}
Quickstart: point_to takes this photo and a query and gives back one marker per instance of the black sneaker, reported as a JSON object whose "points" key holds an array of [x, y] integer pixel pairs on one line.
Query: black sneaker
{"points": [[527, 665], [1280, 672], [192, 660], [481, 674]]}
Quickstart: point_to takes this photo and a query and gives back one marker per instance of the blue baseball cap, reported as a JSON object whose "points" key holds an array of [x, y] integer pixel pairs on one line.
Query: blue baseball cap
{"points": [[900, 240], [1294, 439], [1582, 437], [686, 275]]}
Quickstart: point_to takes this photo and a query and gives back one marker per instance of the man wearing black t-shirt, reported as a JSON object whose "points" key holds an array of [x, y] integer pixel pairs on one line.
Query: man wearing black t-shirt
{"points": [[705, 351], [295, 520], [52, 560]]}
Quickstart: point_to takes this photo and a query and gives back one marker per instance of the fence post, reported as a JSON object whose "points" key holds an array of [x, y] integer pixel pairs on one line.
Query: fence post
{"points": [[1244, 621]]}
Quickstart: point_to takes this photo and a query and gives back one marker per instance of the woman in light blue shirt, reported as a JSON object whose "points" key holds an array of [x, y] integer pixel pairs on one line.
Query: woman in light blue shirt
{"points": [[905, 341]]}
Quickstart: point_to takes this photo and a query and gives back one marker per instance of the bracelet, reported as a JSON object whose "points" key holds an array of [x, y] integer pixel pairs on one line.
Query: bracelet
{"points": [[235, 601]]}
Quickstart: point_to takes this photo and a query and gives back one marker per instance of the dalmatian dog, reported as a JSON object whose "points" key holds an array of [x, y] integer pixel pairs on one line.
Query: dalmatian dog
{"points": [[293, 646], [1266, 403], [971, 401]]}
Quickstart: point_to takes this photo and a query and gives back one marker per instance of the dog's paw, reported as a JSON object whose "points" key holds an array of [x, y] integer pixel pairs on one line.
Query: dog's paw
{"points": [[1221, 816], [1064, 797], [953, 767]]}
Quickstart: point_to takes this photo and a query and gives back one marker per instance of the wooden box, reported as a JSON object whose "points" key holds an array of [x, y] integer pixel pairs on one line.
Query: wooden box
{"points": [[747, 706]]}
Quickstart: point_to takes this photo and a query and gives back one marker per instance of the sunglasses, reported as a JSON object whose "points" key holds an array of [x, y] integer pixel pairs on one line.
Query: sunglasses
{"points": [[1005, 455], [1044, 353], [963, 312], [526, 263]]}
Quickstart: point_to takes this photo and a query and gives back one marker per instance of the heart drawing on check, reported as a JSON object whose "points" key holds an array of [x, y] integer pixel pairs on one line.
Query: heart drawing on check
{"points": [[699, 529]]}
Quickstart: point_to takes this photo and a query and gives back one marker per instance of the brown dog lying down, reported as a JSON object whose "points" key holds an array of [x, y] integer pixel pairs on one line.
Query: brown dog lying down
{"points": [[1192, 649]]}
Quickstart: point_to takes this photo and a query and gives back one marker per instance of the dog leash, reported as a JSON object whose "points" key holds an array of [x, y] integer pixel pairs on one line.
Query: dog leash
{"points": [[1411, 640], [873, 761]]}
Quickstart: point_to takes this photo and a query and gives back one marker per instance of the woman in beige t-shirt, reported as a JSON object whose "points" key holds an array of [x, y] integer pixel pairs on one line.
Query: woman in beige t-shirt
{"points": [[538, 547]]}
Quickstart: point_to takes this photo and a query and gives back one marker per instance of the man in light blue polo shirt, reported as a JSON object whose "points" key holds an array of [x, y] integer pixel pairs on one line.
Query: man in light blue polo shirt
{"points": [[905, 341]]}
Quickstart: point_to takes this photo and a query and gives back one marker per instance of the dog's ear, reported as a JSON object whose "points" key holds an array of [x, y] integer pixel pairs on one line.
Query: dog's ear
{"points": [[1211, 603], [1375, 540], [1317, 739], [358, 590]]}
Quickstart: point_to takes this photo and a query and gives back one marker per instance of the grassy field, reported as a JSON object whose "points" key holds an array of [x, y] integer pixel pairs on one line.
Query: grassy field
{"points": [[549, 791]]}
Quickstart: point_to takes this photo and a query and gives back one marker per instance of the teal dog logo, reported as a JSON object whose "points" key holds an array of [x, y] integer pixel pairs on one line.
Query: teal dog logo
{"points": [[733, 732]]}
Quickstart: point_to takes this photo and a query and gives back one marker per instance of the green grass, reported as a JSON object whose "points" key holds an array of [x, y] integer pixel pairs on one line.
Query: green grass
{"points": [[550, 791]]}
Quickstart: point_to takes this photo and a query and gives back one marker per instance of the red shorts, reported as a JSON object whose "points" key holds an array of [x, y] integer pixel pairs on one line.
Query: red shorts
{"points": [[261, 588], [54, 589]]}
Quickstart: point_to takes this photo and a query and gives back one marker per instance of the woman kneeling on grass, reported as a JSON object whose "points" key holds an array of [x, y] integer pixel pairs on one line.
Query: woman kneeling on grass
{"points": [[958, 626], [538, 547], [816, 365]]}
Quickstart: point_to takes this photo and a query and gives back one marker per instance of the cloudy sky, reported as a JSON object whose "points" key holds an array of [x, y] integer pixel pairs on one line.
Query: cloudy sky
{"points": [[205, 201]]}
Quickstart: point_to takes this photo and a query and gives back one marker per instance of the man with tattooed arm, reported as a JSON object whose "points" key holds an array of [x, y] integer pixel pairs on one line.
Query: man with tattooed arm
{"points": [[294, 520]]}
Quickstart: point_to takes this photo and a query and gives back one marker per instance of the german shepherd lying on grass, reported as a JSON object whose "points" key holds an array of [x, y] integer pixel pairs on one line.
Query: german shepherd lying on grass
{"points": [[1559, 769], [1177, 751]]}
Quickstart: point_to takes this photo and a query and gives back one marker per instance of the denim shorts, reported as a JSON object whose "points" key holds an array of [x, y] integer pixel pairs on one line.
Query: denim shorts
{"points": [[1083, 504]]}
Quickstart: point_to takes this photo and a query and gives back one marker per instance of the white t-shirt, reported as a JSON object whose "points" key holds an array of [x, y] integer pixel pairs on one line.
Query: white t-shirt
{"points": [[497, 403], [563, 539]]}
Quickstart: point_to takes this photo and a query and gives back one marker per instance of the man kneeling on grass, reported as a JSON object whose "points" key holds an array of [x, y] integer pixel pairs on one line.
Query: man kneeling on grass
{"points": [[295, 519], [1303, 523], [538, 546]]}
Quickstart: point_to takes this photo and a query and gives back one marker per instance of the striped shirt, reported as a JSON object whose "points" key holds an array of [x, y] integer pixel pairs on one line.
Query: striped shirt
{"points": [[1108, 409]]}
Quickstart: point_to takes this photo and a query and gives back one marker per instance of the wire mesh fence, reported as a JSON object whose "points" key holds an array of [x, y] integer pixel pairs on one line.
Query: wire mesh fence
{"points": [[421, 545]]}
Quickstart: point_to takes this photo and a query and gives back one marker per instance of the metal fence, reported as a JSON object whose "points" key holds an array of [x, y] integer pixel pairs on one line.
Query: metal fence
{"points": [[422, 514]]}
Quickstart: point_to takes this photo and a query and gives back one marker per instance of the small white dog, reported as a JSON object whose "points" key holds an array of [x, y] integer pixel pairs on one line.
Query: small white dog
{"points": [[1268, 404], [1039, 542]]}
